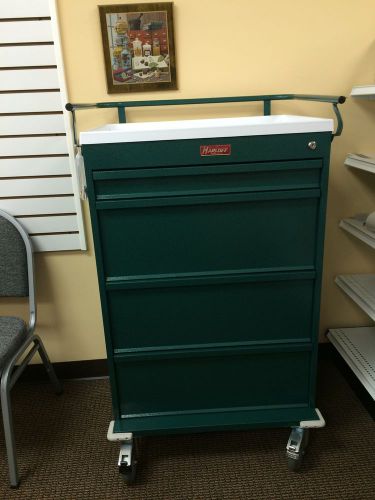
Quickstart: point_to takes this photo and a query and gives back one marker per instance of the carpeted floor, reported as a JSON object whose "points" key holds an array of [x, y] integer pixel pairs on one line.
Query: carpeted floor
{"points": [[63, 452]]}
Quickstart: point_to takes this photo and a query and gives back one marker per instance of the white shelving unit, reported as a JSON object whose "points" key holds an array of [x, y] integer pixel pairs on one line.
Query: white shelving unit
{"points": [[362, 162], [361, 289], [357, 345], [364, 91], [357, 228]]}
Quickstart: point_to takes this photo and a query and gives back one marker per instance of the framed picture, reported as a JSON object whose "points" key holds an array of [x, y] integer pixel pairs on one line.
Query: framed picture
{"points": [[138, 42]]}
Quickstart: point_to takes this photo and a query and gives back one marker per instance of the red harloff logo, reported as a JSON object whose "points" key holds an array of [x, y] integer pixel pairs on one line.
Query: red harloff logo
{"points": [[216, 150]]}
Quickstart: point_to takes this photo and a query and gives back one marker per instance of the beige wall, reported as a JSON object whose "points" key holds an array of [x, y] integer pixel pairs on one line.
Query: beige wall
{"points": [[227, 48]]}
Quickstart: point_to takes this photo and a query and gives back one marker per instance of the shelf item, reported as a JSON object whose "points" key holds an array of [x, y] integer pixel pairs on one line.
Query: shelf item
{"points": [[357, 347], [363, 91], [361, 161], [360, 288], [357, 227]]}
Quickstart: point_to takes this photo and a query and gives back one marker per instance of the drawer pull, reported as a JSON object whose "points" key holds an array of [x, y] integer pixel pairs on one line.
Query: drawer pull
{"points": [[312, 145]]}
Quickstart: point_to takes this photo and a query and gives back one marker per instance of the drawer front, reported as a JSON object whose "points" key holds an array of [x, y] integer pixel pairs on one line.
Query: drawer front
{"points": [[218, 313], [230, 178], [232, 381], [188, 152], [205, 234]]}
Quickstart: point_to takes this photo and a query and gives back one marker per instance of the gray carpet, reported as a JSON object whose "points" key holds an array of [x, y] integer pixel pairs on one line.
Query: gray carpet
{"points": [[63, 452]]}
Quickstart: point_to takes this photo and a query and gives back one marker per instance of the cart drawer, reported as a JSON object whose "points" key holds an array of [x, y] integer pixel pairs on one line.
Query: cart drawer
{"points": [[141, 183], [259, 148], [200, 383], [277, 309], [208, 233]]}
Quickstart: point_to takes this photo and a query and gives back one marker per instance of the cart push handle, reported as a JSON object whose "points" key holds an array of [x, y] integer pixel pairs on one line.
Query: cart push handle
{"points": [[267, 99]]}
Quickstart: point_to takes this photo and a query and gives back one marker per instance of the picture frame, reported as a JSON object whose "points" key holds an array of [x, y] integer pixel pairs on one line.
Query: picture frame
{"points": [[138, 44]]}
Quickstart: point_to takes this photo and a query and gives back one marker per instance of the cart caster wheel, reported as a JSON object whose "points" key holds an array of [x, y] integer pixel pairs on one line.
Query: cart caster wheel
{"points": [[296, 448], [128, 473], [294, 464]]}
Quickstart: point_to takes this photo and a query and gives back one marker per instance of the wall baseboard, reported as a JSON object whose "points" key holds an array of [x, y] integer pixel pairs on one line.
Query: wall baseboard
{"points": [[91, 368]]}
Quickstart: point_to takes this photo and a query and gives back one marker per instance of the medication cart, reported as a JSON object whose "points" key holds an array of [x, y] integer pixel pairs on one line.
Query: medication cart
{"points": [[208, 239]]}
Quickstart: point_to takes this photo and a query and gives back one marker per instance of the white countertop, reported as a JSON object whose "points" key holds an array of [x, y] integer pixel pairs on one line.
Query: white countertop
{"points": [[204, 129]]}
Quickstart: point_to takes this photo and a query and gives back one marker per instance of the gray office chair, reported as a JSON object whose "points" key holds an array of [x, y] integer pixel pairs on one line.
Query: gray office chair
{"points": [[17, 280]]}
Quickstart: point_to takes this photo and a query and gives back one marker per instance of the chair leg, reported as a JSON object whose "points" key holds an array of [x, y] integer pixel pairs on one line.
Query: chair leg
{"points": [[8, 430], [48, 366]]}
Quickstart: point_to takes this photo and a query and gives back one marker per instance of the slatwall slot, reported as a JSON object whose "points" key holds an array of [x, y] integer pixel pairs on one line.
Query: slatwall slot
{"points": [[25, 31], [12, 9], [38, 182], [23, 102], [32, 167], [27, 55], [32, 124]]}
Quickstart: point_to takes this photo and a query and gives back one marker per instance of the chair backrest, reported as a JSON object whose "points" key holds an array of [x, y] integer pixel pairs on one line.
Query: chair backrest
{"points": [[13, 260]]}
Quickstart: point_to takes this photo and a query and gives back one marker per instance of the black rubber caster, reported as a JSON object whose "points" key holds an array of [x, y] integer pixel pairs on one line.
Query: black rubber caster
{"points": [[294, 464], [128, 473]]}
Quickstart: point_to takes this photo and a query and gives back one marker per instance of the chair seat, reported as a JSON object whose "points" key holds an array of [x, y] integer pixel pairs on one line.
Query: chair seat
{"points": [[13, 332]]}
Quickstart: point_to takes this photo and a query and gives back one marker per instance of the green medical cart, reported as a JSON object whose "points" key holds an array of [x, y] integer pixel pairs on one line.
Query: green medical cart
{"points": [[208, 238]]}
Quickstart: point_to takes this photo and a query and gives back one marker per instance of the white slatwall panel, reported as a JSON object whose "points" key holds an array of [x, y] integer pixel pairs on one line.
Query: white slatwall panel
{"points": [[42, 186], [31, 167], [32, 124], [25, 31], [29, 79], [32, 206], [36, 186], [54, 242], [22, 146], [11, 9], [27, 55], [25, 103], [50, 224]]}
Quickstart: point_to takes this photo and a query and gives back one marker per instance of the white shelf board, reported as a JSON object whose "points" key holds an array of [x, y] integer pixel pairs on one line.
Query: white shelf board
{"points": [[363, 91], [357, 347], [359, 230], [361, 165], [361, 289]]}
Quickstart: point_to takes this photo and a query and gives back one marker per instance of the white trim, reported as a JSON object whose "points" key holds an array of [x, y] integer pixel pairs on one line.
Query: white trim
{"points": [[207, 128], [118, 436], [69, 134], [313, 424]]}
